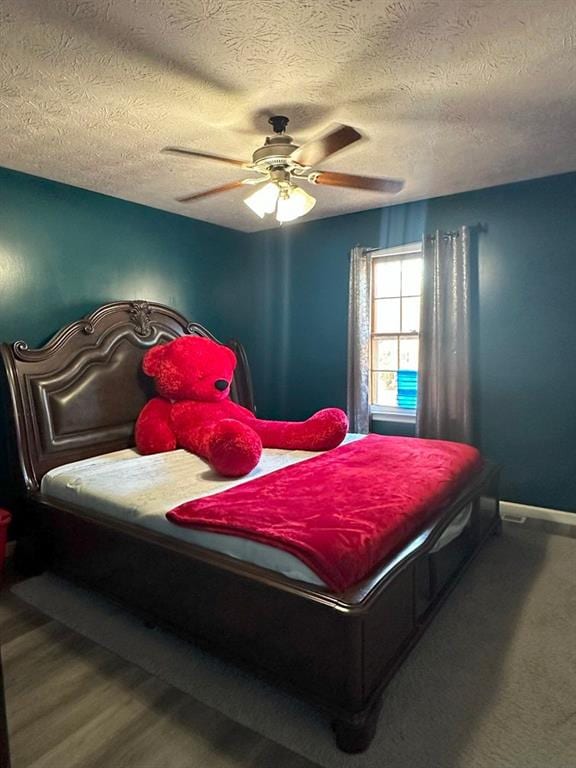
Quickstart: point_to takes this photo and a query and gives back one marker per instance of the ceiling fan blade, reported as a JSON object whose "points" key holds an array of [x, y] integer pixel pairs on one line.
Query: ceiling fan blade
{"points": [[209, 192], [331, 179], [316, 150], [205, 156]]}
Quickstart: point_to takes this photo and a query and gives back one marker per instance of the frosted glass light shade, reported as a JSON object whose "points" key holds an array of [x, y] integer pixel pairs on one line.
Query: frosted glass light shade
{"points": [[295, 204], [264, 200]]}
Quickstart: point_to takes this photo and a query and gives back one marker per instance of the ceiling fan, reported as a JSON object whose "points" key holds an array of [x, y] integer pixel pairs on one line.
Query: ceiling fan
{"points": [[280, 163]]}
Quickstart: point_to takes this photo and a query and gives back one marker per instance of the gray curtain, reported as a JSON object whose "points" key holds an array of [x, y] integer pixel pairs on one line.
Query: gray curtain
{"points": [[444, 389], [359, 341]]}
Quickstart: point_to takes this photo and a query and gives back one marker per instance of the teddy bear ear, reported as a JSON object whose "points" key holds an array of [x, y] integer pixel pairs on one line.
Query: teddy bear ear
{"points": [[152, 359]]}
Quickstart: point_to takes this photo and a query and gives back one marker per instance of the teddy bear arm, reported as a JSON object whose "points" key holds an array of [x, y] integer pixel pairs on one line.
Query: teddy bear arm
{"points": [[192, 423], [238, 412], [153, 432], [195, 438]]}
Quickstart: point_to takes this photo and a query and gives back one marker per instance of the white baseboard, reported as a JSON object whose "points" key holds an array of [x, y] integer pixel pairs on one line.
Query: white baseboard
{"points": [[520, 512]]}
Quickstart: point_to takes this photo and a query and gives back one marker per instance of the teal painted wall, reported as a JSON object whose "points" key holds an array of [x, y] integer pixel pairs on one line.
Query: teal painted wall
{"points": [[526, 318], [64, 251]]}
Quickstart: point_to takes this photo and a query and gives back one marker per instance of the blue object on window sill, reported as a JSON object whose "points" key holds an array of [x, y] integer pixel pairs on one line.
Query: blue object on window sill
{"points": [[407, 389]]}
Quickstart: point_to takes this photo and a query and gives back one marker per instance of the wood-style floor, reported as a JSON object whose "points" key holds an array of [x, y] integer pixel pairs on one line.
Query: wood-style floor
{"points": [[73, 704]]}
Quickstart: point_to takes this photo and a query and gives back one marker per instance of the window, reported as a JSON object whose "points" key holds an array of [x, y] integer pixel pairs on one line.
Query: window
{"points": [[395, 332]]}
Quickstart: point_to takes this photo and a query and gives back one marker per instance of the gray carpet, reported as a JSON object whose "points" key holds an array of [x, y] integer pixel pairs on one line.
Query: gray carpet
{"points": [[491, 685]]}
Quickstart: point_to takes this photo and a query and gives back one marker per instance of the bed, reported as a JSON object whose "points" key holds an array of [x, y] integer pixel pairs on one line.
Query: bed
{"points": [[75, 400]]}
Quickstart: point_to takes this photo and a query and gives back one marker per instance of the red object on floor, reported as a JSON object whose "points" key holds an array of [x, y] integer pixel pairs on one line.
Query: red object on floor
{"points": [[346, 510], [5, 518]]}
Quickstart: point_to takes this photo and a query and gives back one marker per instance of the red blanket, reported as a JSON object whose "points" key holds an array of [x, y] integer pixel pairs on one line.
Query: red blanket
{"points": [[344, 511]]}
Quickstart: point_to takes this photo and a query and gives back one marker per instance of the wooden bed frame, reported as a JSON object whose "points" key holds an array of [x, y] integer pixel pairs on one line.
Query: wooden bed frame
{"points": [[78, 396]]}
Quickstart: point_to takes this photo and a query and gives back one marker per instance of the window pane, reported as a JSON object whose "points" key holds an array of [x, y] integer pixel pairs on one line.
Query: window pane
{"points": [[385, 354], [386, 276], [387, 315], [411, 315], [409, 354], [411, 277], [384, 388]]}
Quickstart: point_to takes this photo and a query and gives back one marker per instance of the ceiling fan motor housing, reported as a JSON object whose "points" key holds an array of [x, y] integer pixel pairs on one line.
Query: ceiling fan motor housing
{"points": [[275, 151]]}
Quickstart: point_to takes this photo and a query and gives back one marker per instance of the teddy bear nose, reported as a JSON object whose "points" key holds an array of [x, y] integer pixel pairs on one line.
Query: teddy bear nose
{"points": [[221, 384]]}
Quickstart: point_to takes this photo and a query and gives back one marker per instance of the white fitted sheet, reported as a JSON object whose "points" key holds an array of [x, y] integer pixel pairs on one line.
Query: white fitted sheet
{"points": [[142, 489]]}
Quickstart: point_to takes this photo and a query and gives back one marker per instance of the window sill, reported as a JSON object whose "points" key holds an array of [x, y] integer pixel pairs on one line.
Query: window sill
{"points": [[398, 415]]}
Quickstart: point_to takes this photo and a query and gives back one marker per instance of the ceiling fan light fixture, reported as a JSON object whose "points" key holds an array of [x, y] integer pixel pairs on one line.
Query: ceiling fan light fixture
{"points": [[293, 203], [264, 200]]}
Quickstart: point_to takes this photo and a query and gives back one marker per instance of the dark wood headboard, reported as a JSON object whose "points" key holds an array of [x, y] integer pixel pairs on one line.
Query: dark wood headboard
{"points": [[80, 394]]}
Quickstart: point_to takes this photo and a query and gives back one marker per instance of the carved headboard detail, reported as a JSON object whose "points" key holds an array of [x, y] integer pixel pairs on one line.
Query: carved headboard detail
{"points": [[79, 394]]}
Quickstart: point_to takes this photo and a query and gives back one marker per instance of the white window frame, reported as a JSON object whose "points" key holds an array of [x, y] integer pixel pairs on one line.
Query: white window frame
{"points": [[389, 412]]}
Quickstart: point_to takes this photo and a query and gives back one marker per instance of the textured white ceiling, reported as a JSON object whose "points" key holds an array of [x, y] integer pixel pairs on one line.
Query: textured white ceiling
{"points": [[449, 94]]}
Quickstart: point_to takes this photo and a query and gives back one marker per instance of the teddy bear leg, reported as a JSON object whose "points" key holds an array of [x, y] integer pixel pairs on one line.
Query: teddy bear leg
{"points": [[324, 430], [234, 448]]}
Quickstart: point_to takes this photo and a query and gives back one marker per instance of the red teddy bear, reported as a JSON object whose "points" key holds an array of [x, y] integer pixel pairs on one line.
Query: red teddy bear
{"points": [[193, 376]]}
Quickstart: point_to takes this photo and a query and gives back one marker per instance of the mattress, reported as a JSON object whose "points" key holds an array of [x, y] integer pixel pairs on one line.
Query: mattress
{"points": [[142, 489]]}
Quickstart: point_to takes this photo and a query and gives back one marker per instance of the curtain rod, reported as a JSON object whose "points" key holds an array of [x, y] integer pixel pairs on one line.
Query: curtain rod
{"points": [[443, 235], [480, 227]]}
